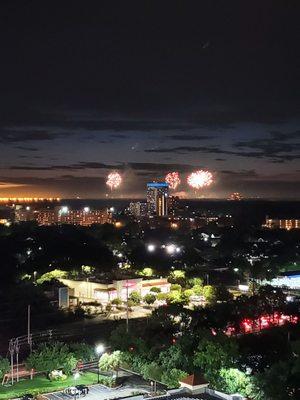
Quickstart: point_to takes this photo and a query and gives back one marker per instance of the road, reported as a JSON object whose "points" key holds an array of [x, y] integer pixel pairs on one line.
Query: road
{"points": [[96, 392]]}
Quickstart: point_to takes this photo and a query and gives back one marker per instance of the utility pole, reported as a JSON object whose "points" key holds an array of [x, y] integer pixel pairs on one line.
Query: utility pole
{"points": [[127, 314], [11, 350], [17, 347], [29, 339]]}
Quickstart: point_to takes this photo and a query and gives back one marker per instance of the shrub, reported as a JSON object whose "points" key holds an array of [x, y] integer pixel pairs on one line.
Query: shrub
{"points": [[155, 289], [4, 366]]}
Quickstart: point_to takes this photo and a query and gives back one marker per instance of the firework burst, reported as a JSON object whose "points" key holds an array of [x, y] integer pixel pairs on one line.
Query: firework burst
{"points": [[200, 179], [114, 180], [173, 180]]}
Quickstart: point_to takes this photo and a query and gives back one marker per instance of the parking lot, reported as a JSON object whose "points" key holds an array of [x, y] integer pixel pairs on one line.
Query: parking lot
{"points": [[96, 392]]}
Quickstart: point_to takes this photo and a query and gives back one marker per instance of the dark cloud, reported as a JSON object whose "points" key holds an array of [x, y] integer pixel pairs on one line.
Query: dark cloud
{"points": [[26, 148], [187, 137]]}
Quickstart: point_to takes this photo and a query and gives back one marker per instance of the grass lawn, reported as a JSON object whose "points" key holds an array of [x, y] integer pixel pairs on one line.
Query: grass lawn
{"points": [[42, 385]]}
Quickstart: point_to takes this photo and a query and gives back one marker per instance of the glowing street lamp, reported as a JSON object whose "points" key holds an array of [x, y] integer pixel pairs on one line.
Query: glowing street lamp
{"points": [[170, 248], [151, 248], [99, 351]]}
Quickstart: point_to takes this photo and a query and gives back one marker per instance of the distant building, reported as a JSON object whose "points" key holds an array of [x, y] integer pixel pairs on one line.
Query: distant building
{"points": [[289, 280], [137, 209], [173, 205], [24, 214], [84, 217], [157, 198], [287, 224], [47, 217], [64, 215]]}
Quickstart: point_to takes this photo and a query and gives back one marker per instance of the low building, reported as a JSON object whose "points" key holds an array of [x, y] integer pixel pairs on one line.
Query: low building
{"points": [[87, 291], [287, 224], [289, 280]]}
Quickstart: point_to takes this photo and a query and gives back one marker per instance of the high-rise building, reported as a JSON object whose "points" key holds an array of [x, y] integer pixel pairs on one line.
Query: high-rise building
{"points": [[157, 198]]}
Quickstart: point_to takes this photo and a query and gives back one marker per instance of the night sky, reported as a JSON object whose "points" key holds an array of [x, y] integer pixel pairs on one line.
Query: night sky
{"points": [[146, 88]]}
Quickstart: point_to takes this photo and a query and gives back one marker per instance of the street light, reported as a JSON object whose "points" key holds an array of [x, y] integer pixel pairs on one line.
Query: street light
{"points": [[170, 248], [151, 248], [99, 352], [76, 376]]}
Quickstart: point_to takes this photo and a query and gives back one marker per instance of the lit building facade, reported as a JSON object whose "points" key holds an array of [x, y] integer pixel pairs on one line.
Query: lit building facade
{"points": [[86, 291], [287, 224], [157, 198], [138, 209], [64, 215]]}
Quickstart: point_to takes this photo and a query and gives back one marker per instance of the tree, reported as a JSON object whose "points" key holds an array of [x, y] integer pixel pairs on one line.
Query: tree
{"points": [[222, 294], [198, 290], [172, 377], [155, 289], [152, 371], [135, 297], [56, 274], [111, 361], [236, 381], [187, 294], [52, 356], [210, 294], [149, 298], [4, 366], [117, 301], [82, 351], [146, 272], [161, 296], [176, 287], [213, 354]]}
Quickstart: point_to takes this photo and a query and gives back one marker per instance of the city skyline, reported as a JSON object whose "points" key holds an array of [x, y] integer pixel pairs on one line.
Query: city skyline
{"points": [[147, 93]]}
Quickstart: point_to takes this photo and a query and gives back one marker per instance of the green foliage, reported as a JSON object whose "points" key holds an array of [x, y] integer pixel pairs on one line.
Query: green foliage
{"points": [[155, 289], [149, 298], [152, 371], [51, 275], [236, 381], [135, 297], [214, 354], [146, 272], [172, 377], [196, 282], [177, 275], [82, 351], [4, 366], [188, 293], [57, 376], [210, 294], [161, 296], [108, 381], [109, 362], [52, 356], [176, 286], [197, 290], [280, 381], [117, 301]]}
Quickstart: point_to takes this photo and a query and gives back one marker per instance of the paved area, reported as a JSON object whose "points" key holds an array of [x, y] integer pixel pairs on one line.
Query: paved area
{"points": [[96, 392]]}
